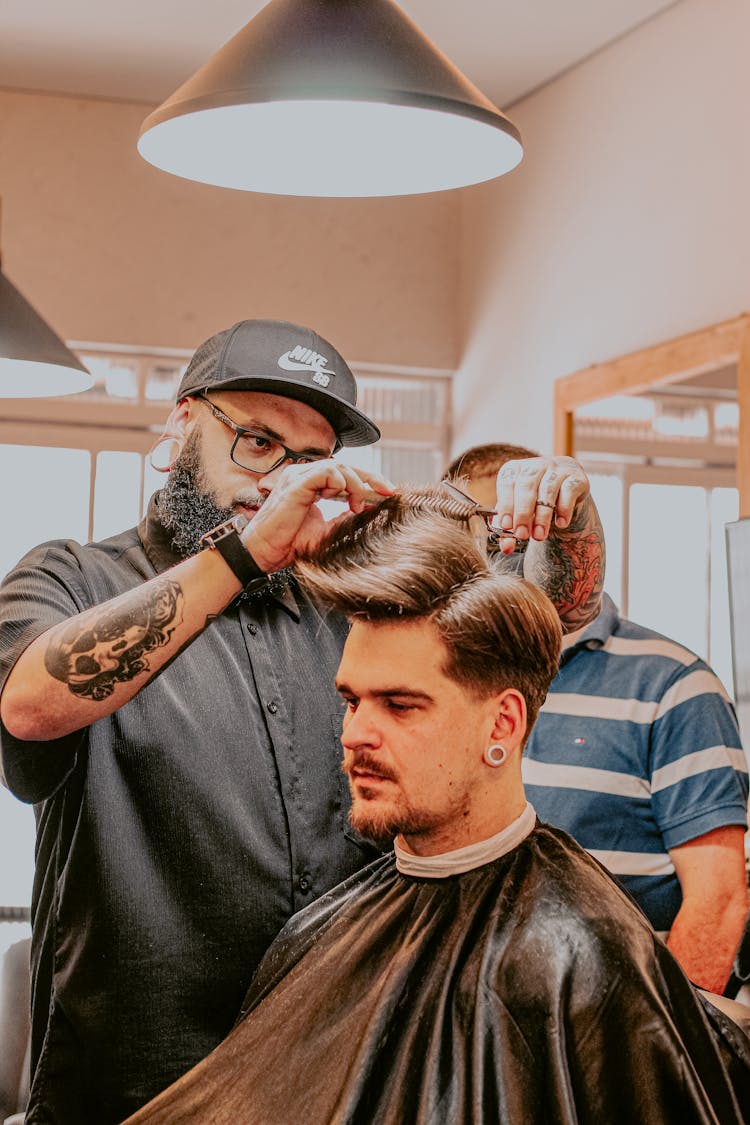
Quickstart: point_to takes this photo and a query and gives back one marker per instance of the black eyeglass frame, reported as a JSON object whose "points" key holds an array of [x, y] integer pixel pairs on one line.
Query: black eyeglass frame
{"points": [[240, 431]]}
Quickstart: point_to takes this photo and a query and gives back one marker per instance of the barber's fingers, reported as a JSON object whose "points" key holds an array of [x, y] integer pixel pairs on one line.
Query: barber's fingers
{"points": [[534, 491], [517, 491], [506, 544], [358, 487], [326, 479], [574, 487]]}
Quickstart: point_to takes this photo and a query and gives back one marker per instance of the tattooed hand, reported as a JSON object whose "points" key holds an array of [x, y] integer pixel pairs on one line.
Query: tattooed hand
{"points": [[547, 501], [92, 657], [530, 492]]}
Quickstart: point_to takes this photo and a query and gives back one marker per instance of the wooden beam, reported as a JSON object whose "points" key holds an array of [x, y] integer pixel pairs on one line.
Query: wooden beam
{"points": [[563, 438], [667, 362]]}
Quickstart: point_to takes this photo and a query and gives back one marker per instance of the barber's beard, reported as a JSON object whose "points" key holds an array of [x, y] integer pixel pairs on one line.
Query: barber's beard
{"points": [[187, 506]]}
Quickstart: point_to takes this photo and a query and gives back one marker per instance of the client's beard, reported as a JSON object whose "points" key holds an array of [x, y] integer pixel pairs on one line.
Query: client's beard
{"points": [[186, 507]]}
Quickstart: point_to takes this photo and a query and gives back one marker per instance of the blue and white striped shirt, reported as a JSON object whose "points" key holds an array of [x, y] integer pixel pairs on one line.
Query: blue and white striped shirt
{"points": [[636, 751]]}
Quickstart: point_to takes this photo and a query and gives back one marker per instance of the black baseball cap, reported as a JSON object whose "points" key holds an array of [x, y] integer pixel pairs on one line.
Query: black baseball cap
{"points": [[282, 359]]}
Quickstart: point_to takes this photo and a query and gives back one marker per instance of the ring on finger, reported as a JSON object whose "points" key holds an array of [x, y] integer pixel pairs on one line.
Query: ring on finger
{"points": [[544, 504]]}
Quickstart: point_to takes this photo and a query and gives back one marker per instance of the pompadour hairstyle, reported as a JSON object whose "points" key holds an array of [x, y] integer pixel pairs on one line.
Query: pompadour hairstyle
{"points": [[482, 460], [399, 561]]}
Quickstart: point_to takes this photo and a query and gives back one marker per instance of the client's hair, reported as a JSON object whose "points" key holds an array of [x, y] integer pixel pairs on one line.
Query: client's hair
{"points": [[401, 560]]}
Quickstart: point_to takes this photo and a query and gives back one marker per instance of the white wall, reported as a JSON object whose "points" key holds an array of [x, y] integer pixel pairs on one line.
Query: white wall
{"points": [[627, 223]]}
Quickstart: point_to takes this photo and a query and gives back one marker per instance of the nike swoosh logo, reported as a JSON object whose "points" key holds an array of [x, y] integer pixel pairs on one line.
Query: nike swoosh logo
{"points": [[292, 365]]}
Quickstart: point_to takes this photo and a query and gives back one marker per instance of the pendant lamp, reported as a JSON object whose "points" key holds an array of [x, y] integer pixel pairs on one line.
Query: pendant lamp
{"points": [[34, 361], [330, 98]]}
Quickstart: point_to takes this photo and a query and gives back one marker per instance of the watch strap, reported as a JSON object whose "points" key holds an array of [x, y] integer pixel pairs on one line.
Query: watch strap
{"points": [[225, 538]]}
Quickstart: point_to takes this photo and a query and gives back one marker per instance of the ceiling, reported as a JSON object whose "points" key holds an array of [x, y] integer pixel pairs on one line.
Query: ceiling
{"points": [[143, 49]]}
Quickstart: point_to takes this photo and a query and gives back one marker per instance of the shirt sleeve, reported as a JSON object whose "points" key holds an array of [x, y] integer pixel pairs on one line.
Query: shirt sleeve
{"points": [[45, 588], [698, 769]]}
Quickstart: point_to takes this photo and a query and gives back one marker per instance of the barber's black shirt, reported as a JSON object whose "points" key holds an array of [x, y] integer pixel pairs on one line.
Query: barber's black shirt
{"points": [[176, 836]]}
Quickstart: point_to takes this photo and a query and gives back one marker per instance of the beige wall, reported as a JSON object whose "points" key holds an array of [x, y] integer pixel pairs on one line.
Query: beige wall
{"points": [[112, 250], [627, 223]]}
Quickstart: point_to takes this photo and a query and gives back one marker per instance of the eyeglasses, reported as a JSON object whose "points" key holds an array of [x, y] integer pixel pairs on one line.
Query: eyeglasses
{"points": [[255, 451]]}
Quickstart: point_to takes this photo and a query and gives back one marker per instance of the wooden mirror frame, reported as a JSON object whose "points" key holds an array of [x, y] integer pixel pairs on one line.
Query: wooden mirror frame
{"points": [[707, 349]]}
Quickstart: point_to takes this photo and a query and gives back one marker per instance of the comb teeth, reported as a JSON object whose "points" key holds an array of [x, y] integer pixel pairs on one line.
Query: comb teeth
{"points": [[448, 506], [439, 503]]}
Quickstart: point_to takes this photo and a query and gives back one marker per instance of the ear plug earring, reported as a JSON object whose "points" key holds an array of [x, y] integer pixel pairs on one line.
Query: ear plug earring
{"points": [[164, 452], [495, 754]]}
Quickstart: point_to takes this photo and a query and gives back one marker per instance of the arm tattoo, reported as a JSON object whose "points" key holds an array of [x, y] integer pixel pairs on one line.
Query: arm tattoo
{"points": [[110, 647], [569, 567]]}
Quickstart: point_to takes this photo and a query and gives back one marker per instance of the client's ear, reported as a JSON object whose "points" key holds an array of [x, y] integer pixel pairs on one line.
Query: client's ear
{"points": [[510, 719]]}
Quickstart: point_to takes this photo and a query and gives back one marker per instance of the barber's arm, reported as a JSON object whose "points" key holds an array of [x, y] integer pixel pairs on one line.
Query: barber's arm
{"points": [[54, 689], [547, 501], [707, 930]]}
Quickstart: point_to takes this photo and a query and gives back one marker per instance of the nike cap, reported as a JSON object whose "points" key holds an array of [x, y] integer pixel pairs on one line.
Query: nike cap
{"points": [[282, 359]]}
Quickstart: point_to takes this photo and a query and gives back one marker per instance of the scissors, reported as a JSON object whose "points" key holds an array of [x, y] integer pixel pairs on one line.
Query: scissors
{"points": [[474, 508]]}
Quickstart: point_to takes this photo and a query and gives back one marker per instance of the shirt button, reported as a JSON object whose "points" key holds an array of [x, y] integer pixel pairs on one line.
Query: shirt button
{"points": [[273, 707], [252, 630], [304, 883]]}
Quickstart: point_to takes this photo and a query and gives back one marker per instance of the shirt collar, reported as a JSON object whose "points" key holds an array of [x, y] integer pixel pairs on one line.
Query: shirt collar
{"points": [[465, 859], [598, 632], [156, 539], [157, 545]]}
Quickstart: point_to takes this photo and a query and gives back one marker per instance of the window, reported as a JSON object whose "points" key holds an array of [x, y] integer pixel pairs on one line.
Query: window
{"points": [[662, 474]]}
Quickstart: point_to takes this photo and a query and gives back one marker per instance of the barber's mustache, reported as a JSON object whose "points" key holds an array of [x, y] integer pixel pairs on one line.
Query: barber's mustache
{"points": [[368, 764]]}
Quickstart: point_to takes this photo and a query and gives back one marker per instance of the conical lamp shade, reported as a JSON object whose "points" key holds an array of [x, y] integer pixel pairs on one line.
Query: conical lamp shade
{"points": [[34, 361], [330, 97]]}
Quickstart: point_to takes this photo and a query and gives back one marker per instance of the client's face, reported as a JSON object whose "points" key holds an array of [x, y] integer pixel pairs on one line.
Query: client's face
{"points": [[413, 739]]}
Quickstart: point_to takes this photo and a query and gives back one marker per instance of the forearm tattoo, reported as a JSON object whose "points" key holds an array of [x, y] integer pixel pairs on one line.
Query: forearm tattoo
{"points": [[569, 567], [110, 647]]}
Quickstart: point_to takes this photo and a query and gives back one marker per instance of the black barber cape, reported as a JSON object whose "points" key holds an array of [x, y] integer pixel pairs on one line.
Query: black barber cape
{"points": [[529, 991]]}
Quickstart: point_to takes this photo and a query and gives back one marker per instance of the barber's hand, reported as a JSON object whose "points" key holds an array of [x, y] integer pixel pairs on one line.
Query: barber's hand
{"points": [[290, 521], [533, 491]]}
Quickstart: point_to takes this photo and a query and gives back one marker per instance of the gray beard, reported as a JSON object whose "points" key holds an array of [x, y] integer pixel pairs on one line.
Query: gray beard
{"points": [[186, 508]]}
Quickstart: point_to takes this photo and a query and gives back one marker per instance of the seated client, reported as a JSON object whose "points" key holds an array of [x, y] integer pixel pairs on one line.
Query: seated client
{"points": [[487, 969]]}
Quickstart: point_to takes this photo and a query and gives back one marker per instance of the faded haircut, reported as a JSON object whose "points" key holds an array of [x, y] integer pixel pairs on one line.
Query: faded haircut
{"points": [[485, 460], [397, 562]]}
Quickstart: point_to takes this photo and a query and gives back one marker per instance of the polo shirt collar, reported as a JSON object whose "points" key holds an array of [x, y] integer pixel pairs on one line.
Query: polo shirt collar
{"points": [[157, 545]]}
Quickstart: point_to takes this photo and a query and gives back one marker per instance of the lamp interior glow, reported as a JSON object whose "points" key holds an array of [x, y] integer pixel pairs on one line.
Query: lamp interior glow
{"points": [[25, 378], [330, 148]]}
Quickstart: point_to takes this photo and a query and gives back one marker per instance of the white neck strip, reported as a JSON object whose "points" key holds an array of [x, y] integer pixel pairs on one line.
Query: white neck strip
{"points": [[473, 855]]}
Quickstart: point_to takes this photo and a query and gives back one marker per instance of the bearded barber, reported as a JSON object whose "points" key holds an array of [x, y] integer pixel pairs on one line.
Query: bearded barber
{"points": [[173, 718]]}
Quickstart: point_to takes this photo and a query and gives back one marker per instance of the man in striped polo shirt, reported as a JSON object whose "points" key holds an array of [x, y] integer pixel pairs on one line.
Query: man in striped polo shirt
{"points": [[637, 754]]}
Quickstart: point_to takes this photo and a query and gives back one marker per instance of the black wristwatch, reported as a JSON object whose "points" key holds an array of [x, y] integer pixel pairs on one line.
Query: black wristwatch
{"points": [[225, 538]]}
